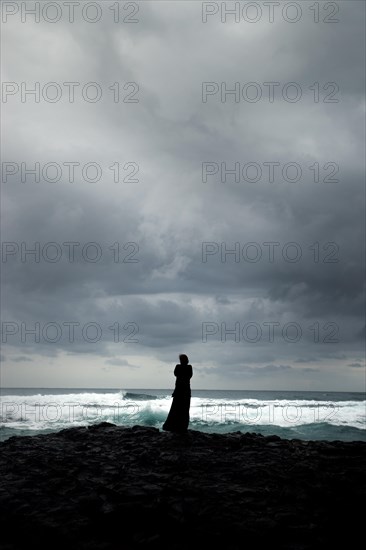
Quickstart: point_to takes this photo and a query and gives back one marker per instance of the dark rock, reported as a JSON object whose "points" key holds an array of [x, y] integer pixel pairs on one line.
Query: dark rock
{"points": [[109, 487]]}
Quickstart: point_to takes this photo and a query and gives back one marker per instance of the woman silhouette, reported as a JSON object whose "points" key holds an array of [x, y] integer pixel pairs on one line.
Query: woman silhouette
{"points": [[178, 417]]}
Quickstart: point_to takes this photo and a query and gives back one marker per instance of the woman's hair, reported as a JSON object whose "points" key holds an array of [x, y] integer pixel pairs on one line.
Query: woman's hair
{"points": [[183, 359]]}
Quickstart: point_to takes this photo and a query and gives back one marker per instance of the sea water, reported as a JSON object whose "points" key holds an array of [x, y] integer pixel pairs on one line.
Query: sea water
{"points": [[289, 414]]}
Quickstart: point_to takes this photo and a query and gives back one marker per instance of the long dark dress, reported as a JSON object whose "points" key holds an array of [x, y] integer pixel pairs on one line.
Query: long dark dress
{"points": [[178, 417]]}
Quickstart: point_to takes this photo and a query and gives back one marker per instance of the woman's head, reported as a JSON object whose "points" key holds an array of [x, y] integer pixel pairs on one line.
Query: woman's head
{"points": [[183, 359]]}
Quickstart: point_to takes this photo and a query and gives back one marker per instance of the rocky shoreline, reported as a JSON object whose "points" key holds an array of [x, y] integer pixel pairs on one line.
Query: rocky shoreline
{"points": [[108, 487]]}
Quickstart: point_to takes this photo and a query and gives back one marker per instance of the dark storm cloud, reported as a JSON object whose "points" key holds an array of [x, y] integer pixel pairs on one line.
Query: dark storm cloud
{"points": [[171, 291], [237, 371], [306, 360]]}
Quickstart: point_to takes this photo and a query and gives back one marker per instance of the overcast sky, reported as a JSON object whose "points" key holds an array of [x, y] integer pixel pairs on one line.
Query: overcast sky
{"points": [[288, 314]]}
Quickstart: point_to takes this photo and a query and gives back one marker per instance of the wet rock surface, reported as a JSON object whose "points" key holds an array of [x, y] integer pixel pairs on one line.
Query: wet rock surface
{"points": [[107, 488]]}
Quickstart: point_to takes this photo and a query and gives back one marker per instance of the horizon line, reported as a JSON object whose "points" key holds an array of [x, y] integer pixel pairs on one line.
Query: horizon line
{"points": [[169, 389]]}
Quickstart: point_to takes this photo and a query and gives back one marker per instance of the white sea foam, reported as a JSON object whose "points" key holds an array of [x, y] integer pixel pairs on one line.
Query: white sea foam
{"points": [[40, 412], [280, 412]]}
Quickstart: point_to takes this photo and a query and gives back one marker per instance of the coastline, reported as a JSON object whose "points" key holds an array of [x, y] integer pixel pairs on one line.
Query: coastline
{"points": [[108, 487], [304, 415]]}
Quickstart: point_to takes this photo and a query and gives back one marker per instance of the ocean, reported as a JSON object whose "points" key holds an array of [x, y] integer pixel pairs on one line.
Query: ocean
{"points": [[288, 414]]}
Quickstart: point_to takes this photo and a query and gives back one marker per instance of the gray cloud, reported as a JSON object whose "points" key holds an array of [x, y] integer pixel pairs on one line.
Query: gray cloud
{"points": [[22, 359], [355, 365], [119, 362], [170, 292]]}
